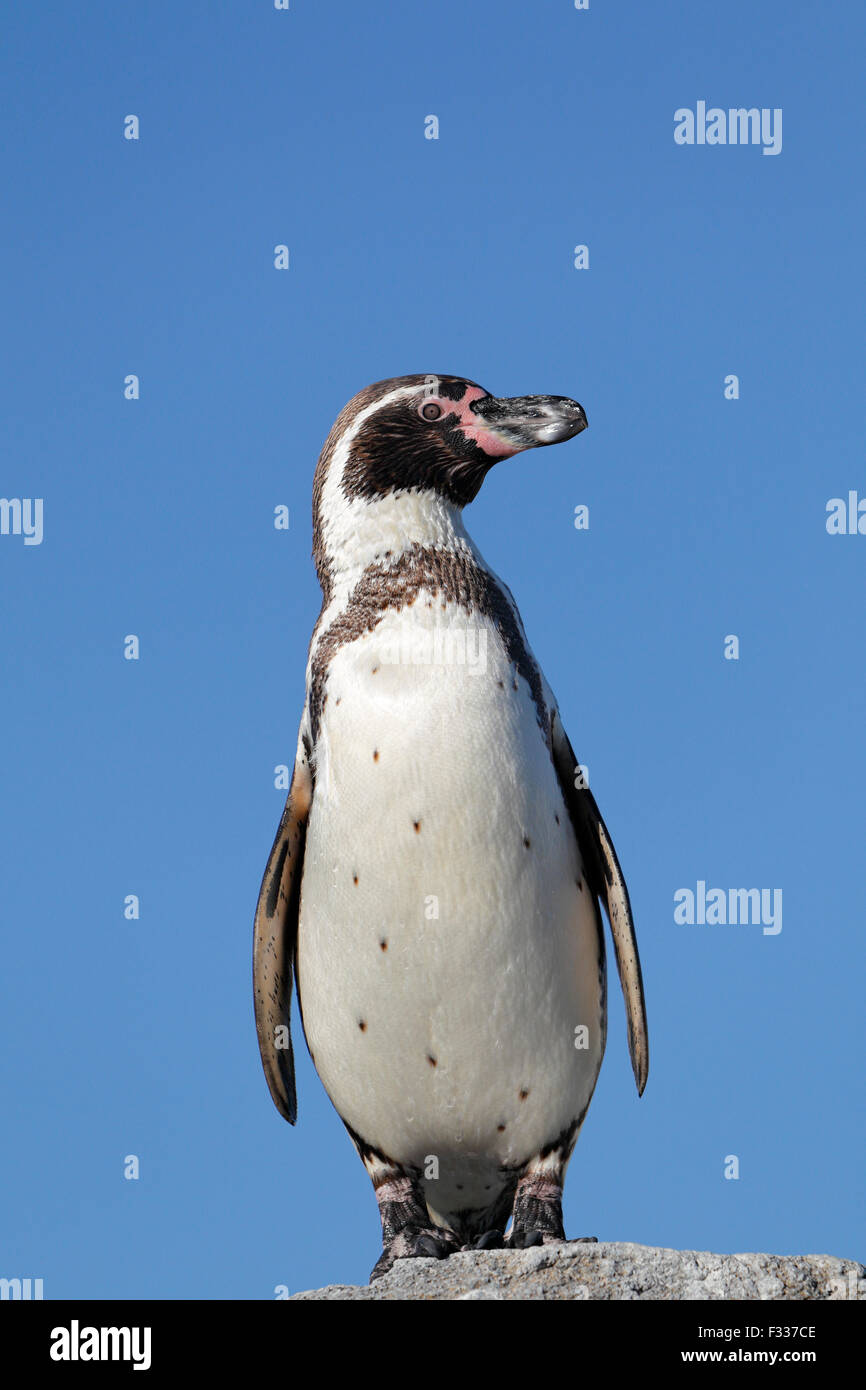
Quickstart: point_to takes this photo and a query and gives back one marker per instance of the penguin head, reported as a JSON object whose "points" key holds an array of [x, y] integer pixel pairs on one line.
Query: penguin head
{"points": [[406, 452], [443, 434]]}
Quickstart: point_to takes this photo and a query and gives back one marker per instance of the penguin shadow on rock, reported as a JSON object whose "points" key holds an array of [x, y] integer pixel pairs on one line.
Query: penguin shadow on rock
{"points": [[436, 845]]}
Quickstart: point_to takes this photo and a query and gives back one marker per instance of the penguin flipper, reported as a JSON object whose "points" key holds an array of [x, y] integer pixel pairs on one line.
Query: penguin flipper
{"points": [[274, 937], [606, 881]]}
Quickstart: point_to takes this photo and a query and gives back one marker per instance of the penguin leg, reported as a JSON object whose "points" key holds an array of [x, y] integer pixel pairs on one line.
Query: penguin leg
{"points": [[407, 1231], [537, 1213]]}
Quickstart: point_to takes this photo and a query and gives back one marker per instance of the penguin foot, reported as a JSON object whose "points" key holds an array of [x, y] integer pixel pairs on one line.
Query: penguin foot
{"points": [[490, 1240], [416, 1243], [524, 1238]]}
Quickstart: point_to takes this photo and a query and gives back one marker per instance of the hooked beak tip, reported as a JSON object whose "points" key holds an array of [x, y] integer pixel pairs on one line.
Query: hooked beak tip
{"points": [[525, 422]]}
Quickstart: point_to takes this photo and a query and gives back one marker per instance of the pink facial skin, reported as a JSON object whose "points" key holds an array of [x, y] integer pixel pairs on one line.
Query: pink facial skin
{"points": [[472, 426]]}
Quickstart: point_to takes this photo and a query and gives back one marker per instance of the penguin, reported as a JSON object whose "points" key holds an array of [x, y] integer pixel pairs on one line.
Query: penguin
{"points": [[435, 883]]}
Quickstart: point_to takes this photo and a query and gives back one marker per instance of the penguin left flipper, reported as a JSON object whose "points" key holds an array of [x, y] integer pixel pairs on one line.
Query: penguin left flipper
{"points": [[605, 879], [274, 937]]}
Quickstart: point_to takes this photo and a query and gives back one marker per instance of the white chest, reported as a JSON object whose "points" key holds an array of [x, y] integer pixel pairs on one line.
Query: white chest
{"points": [[448, 949]]}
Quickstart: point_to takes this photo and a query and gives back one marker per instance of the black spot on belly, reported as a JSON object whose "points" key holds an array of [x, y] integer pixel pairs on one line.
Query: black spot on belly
{"points": [[354, 878], [417, 825], [375, 755], [556, 818], [501, 684], [431, 1060], [362, 1024], [526, 842], [523, 1094], [375, 669], [500, 1129], [383, 944], [579, 885]]}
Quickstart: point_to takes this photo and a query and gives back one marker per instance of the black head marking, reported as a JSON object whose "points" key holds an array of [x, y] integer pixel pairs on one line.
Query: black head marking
{"points": [[407, 444]]}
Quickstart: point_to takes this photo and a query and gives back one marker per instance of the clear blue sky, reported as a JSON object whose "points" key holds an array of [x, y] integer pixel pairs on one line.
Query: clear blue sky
{"points": [[707, 518]]}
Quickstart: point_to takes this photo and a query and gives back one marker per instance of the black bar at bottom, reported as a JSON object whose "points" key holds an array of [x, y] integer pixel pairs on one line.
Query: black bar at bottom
{"points": [[76, 1338]]}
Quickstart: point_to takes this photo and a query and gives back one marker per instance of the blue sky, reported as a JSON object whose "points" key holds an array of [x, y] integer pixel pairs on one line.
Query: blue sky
{"points": [[707, 518]]}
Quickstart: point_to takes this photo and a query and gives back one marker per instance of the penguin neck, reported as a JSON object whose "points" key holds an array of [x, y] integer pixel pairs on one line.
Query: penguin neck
{"points": [[378, 532]]}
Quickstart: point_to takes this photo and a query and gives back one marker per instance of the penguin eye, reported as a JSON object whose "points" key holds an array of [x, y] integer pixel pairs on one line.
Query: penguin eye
{"points": [[431, 411]]}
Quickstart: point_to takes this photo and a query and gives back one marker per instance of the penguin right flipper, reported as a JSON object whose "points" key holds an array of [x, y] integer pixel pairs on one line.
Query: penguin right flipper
{"points": [[274, 937], [606, 881]]}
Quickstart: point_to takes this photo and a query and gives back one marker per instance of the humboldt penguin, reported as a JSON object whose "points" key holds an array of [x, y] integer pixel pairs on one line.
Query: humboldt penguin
{"points": [[435, 881]]}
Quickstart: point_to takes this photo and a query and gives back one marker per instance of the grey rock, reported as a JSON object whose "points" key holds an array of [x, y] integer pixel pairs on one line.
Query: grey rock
{"points": [[609, 1271]]}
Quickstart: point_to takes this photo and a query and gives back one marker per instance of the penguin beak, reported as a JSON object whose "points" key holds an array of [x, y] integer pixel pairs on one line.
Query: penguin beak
{"points": [[525, 422]]}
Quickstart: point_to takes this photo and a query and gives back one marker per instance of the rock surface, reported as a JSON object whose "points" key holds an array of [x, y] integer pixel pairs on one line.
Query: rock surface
{"points": [[610, 1271]]}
